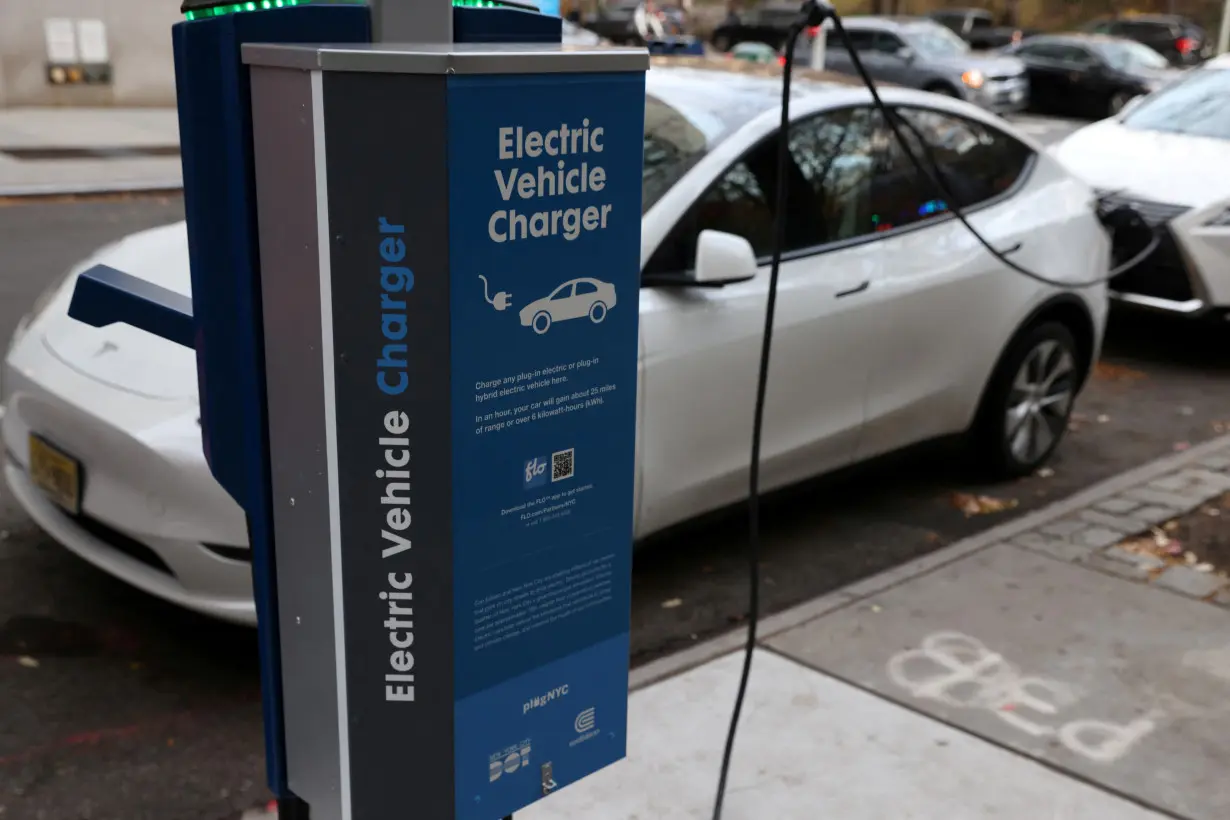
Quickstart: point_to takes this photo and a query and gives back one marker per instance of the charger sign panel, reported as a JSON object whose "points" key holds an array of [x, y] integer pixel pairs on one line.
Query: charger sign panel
{"points": [[545, 212]]}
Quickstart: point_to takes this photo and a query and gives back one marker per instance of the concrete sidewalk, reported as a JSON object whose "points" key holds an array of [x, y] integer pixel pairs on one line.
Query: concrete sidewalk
{"points": [[51, 151], [1032, 672]]}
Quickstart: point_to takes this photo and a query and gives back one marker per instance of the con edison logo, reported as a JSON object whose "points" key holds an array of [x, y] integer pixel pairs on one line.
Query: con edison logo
{"points": [[536, 472]]}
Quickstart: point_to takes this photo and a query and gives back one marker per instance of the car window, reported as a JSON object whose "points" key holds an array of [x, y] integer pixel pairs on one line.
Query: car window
{"points": [[564, 292], [673, 144], [887, 43], [583, 288], [1198, 104], [828, 192], [1041, 51], [861, 40], [977, 21], [1076, 55], [1129, 55], [935, 42], [977, 163]]}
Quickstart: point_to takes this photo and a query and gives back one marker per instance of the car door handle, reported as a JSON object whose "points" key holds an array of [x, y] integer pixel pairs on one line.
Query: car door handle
{"points": [[1011, 249], [854, 290]]}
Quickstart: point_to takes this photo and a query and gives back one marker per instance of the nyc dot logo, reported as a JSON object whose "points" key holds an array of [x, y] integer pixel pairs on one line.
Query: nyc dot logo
{"points": [[535, 472]]}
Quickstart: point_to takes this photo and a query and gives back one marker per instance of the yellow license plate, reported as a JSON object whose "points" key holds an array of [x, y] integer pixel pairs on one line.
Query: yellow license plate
{"points": [[56, 474]]}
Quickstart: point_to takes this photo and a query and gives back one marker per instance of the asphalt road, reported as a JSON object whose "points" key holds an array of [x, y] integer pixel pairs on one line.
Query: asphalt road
{"points": [[115, 705]]}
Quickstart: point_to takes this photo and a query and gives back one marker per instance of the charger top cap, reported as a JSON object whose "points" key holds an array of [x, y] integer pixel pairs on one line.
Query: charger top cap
{"points": [[450, 58]]}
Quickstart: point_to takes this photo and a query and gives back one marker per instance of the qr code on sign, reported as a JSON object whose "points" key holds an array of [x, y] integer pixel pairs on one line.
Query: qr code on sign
{"points": [[561, 465]]}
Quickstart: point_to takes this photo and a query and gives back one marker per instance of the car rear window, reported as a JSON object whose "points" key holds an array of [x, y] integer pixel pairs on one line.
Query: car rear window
{"points": [[1197, 105]]}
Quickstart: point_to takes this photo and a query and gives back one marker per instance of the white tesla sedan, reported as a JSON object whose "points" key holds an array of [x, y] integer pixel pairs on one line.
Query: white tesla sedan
{"points": [[894, 326], [1168, 154]]}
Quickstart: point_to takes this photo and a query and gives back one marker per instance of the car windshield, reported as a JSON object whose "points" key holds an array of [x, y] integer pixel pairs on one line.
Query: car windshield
{"points": [[1127, 55], [935, 41], [1198, 105], [688, 112]]}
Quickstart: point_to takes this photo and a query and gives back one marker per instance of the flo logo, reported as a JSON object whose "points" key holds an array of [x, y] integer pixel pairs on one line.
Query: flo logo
{"points": [[536, 472]]}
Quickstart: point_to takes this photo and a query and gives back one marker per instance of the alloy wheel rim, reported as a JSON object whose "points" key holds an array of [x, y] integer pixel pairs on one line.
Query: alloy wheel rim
{"points": [[1039, 401]]}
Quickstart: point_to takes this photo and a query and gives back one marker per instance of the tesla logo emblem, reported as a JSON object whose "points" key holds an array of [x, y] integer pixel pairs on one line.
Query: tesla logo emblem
{"points": [[107, 347]]}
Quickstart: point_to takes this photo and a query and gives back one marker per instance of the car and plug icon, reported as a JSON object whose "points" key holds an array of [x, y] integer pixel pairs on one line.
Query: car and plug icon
{"points": [[574, 299]]}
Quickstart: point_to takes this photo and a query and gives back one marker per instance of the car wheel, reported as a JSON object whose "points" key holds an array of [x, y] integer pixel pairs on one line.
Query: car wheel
{"points": [[1117, 102], [943, 89], [597, 312], [541, 322], [1029, 400]]}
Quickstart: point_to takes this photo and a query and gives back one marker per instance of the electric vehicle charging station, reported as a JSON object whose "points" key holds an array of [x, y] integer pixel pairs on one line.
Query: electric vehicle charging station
{"points": [[415, 275]]}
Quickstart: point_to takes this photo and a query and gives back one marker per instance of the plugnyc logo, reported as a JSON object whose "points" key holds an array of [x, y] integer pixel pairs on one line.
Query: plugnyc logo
{"points": [[536, 472]]}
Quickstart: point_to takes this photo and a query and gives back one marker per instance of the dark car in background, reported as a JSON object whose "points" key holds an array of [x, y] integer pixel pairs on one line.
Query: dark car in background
{"points": [[919, 53], [1089, 75], [977, 27], [1176, 38], [768, 23]]}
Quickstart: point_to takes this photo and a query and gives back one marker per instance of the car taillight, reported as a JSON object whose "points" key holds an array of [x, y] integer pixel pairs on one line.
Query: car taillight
{"points": [[1186, 45], [813, 32], [781, 60]]}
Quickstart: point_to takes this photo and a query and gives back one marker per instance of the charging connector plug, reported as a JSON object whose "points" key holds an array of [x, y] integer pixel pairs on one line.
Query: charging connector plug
{"points": [[500, 301]]}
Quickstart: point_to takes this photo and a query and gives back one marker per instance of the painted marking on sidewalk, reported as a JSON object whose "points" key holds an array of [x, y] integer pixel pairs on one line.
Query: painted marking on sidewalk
{"points": [[959, 671]]}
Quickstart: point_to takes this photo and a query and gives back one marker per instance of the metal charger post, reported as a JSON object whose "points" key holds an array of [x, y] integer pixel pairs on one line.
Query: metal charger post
{"points": [[415, 275]]}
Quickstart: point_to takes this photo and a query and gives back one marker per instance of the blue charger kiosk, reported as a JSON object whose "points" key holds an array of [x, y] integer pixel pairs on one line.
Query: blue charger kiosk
{"points": [[415, 276]]}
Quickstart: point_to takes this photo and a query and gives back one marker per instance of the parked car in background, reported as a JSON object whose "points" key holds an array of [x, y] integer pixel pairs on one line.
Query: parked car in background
{"points": [[1089, 75], [1168, 154], [920, 53], [1178, 39], [574, 35], [768, 23], [755, 52], [977, 27], [896, 326]]}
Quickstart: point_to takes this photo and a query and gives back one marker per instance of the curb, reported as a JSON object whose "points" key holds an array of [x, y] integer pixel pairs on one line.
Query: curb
{"points": [[796, 616], [170, 185]]}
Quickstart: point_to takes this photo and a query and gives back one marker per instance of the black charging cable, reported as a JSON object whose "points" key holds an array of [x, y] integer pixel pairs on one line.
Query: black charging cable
{"points": [[814, 13]]}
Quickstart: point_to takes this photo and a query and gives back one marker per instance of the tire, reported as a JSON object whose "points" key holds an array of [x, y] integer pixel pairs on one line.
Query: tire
{"points": [[541, 322], [1028, 401], [597, 312], [942, 89]]}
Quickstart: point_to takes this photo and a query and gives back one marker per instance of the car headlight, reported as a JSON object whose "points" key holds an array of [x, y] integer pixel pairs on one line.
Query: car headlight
{"points": [[1221, 220], [973, 79]]}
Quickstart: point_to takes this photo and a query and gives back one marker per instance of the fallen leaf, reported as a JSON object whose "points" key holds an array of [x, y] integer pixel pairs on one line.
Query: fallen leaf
{"points": [[1116, 372], [672, 603], [1170, 526], [1180, 446], [981, 504], [933, 537], [1044, 472], [28, 662]]}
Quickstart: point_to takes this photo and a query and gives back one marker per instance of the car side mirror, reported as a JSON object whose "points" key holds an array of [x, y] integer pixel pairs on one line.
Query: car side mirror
{"points": [[906, 54], [721, 259], [1129, 105]]}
